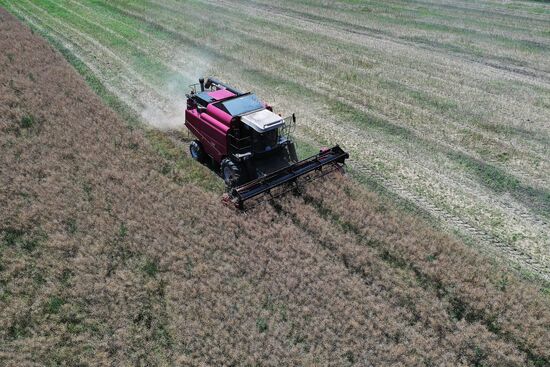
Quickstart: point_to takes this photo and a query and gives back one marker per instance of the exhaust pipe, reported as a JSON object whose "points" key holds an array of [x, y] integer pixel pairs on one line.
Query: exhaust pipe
{"points": [[217, 83], [201, 82]]}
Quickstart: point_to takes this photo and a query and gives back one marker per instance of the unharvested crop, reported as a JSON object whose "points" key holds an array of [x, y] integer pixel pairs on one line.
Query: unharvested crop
{"points": [[108, 257]]}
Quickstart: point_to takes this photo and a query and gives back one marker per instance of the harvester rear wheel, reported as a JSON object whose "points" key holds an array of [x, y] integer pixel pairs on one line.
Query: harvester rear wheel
{"points": [[231, 173], [197, 151]]}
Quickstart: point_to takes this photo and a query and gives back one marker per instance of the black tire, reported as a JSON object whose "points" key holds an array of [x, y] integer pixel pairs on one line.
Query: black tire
{"points": [[232, 173], [197, 151]]}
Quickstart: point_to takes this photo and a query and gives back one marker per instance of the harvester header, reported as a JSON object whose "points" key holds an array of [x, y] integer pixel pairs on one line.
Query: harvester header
{"points": [[250, 144]]}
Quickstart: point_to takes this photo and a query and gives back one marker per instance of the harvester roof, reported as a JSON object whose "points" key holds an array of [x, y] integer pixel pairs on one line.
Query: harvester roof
{"points": [[263, 120]]}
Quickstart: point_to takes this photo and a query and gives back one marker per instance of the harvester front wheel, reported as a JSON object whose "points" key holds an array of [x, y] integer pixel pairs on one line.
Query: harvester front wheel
{"points": [[231, 173], [197, 151]]}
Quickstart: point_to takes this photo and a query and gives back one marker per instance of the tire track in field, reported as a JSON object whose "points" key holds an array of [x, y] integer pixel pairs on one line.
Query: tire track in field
{"points": [[95, 45], [452, 221], [171, 111], [144, 94], [161, 114]]}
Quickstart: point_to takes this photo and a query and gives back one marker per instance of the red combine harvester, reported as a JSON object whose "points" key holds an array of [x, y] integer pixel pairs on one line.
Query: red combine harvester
{"points": [[250, 143]]}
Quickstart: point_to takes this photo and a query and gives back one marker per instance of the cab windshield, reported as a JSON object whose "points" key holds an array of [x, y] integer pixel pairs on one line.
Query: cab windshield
{"points": [[241, 105]]}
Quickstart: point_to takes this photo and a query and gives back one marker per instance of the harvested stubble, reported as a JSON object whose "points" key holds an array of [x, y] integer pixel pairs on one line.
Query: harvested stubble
{"points": [[105, 259]]}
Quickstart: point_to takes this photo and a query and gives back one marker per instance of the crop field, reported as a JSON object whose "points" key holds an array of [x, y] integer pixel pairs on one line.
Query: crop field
{"points": [[444, 105], [116, 250], [111, 253]]}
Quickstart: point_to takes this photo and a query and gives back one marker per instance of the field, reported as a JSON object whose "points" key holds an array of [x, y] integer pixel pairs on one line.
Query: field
{"points": [[442, 105], [115, 249]]}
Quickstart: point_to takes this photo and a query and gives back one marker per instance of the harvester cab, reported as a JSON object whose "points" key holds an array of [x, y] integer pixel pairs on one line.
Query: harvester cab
{"points": [[251, 144]]}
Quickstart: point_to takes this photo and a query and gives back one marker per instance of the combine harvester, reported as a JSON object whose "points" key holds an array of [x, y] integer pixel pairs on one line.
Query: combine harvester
{"points": [[250, 143]]}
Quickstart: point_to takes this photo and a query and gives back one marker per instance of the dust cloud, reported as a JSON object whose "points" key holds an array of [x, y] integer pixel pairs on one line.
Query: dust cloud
{"points": [[168, 112], [171, 118]]}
